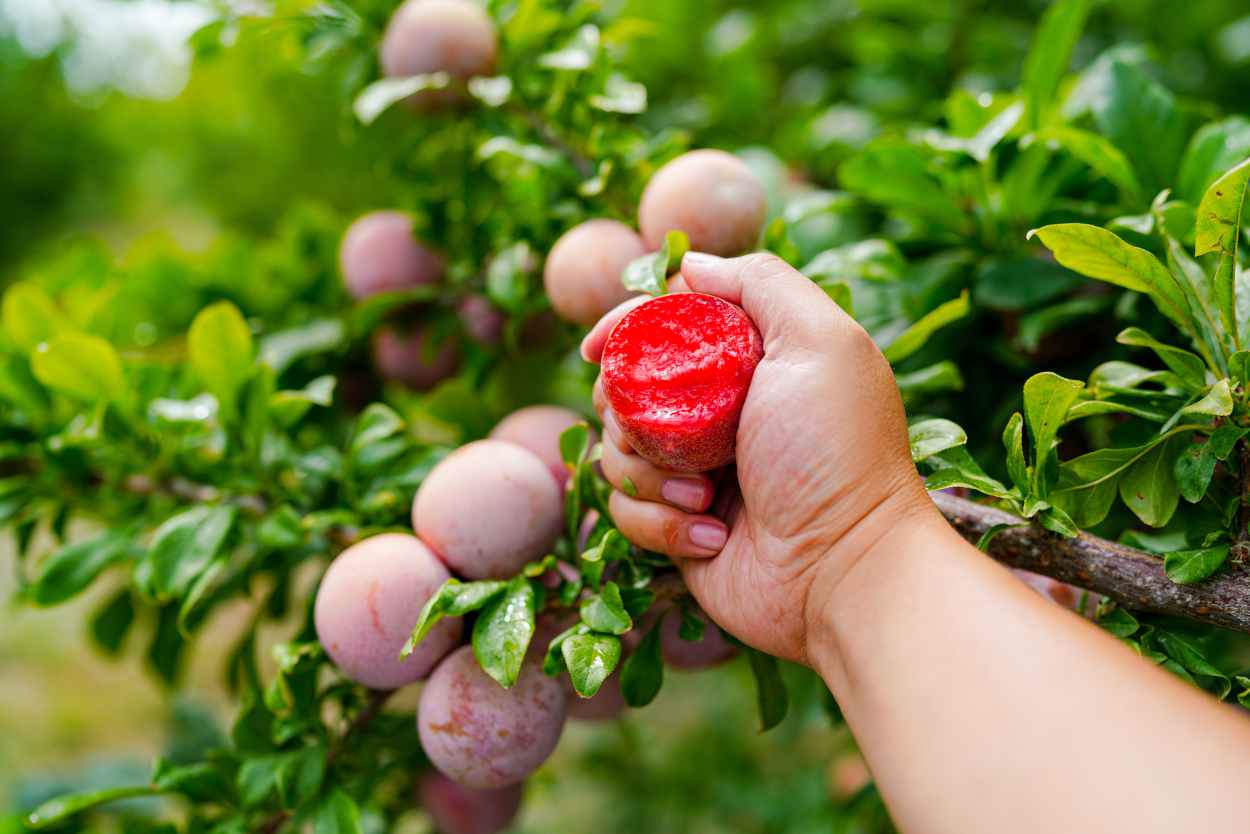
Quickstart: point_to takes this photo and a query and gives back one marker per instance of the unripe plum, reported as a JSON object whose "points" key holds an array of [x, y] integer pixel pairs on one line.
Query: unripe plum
{"points": [[710, 195], [712, 650], [456, 809], [482, 735], [411, 356], [583, 270], [676, 370], [379, 254], [426, 36], [481, 320], [489, 508], [367, 604], [538, 428]]}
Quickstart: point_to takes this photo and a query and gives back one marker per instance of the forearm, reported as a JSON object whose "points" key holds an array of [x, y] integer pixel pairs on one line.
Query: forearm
{"points": [[975, 700]]}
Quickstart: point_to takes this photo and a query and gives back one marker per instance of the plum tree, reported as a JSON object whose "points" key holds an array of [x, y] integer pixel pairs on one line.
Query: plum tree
{"points": [[456, 809], [411, 356], [712, 650], [481, 320], [538, 428], [583, 270], [710, 195], [368, 602], [676, 370], [427, 36], [488, 508], [484, 736], [379, 254]]}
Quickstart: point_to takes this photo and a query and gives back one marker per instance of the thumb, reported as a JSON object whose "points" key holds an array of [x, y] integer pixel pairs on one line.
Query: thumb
{"points": [[787, 307]]}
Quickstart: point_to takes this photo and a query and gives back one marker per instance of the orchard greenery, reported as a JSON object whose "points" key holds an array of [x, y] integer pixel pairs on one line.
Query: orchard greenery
{"points": [[1052, 258]]}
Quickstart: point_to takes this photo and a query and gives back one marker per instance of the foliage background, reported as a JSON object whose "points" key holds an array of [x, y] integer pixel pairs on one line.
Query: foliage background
{"points": [[257, 161]]}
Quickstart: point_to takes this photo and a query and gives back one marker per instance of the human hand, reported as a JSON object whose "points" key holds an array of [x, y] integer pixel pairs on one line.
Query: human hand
{"points": [[822, 474]]}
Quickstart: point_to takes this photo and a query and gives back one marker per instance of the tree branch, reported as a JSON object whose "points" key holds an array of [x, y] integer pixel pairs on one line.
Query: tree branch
{"points": [[1131, 577]]}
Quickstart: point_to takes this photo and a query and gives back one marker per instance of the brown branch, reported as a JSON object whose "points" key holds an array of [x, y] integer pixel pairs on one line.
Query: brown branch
{"points": [[1131, 577]]}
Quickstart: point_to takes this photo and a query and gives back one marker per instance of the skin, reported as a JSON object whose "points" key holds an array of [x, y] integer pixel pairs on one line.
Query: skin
{"points": [[971, 696], [367, 604], [481, 735], [710, 195], [378, 254], [488, 508], [582, 274], [538, 429]]}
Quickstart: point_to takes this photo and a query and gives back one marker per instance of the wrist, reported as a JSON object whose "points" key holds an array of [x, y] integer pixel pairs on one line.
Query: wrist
{"points": [[860, 579]]}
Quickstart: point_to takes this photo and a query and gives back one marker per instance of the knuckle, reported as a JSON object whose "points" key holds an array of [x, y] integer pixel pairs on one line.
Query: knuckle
{"points": [[759, 266]]}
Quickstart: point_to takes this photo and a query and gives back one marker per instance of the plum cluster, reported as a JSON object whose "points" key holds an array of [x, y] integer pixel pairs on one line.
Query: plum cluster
{"points": [[495, 505]]}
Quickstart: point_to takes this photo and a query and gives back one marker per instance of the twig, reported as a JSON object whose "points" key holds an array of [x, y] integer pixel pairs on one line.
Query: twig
{"points": [[1131, 577]]}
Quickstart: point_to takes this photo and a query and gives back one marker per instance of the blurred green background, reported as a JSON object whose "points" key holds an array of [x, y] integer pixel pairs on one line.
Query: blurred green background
{"points": [[128, 143]]}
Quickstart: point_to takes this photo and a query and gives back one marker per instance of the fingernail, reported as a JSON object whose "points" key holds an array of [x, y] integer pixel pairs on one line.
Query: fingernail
{"points": [[700, 259], [687, 493], [708, 536]]}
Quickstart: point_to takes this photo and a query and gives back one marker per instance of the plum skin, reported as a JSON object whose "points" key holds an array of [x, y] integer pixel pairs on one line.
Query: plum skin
{"points": [[712, 650], [379, 254], [456, 809], [712, 196], [368, 602], [582, 274], [481, 735], [538, 429], [426, 36], [409, 356], [488, 508]]}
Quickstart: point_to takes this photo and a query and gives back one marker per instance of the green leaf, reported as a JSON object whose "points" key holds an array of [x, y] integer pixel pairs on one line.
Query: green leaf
{"points": [[605, 611], [75, 566], [287, 407], [220, 349], [1214, 149], [1050, 54], [1119, 622], [956, 468], [508, 277], [1187, 566], [1013, 442], [63, 807], [575, 444], [940, 376], [676, 245], [184, 546], [1100, 254], [281, 349], [1193, 471], [648, 273], [1088, 484], [928, 437], [1103, 157], [1218, 402], [1191, 658], [381, 95], [590, 659], [1218, 229], [1148, 487], [1143, 119], [896, 174], [770, 689], [1047, 398], [30, 317], [503, 631], [643, 672], [1188, 367], [111, 622], [337, 814], [453, 599], [914, 337], [83, 366]]}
